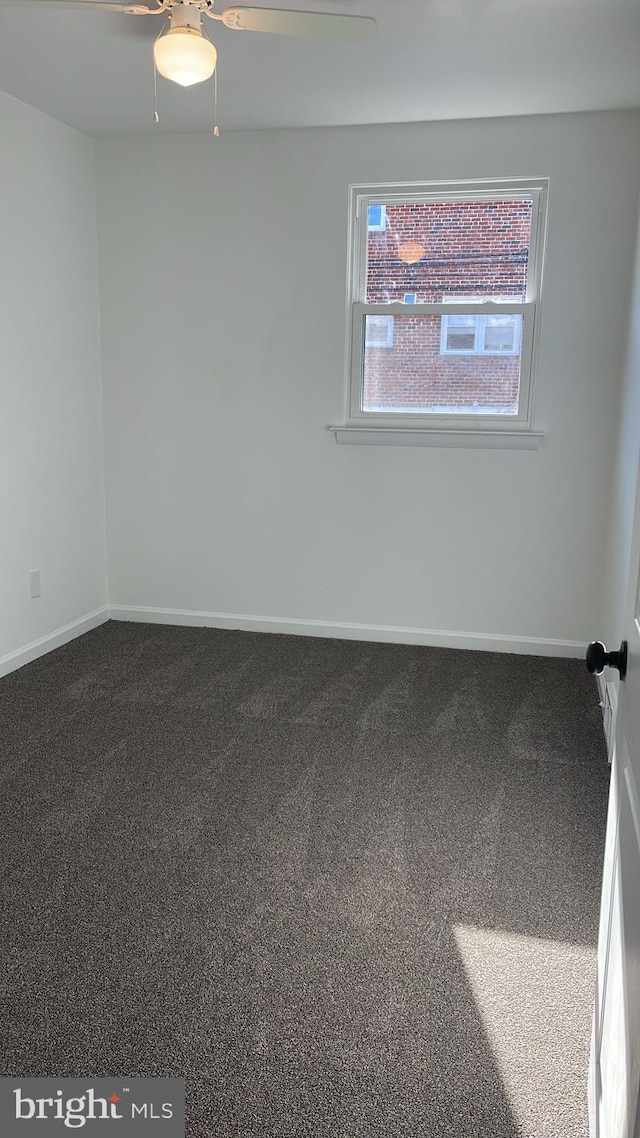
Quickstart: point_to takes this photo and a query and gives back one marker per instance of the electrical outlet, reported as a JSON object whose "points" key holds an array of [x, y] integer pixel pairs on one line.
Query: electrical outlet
{"points": [[34, 583]]}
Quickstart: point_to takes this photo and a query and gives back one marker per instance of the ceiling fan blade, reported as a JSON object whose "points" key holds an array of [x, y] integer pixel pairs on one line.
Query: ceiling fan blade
{"points": [[314, 25], [128, 9]]}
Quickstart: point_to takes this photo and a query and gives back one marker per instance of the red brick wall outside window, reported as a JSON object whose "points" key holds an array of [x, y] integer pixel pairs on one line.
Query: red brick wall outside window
{"points": [[466, 249]]}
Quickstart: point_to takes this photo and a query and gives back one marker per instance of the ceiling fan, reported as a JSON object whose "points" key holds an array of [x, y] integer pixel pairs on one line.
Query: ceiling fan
{"points": [[182, 52]]}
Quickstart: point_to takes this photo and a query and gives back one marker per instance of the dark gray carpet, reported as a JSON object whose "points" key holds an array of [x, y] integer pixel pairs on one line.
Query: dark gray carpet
{"points": [[345, 889]]}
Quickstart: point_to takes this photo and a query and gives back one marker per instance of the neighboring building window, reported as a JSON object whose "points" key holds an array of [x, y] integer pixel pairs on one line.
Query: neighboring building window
{"points": [[480, 335], [378, 332], [466, 260], [376, 218]]}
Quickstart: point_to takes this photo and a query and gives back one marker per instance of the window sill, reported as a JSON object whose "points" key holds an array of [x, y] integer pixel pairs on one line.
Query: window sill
{"points": [[434, 436]]}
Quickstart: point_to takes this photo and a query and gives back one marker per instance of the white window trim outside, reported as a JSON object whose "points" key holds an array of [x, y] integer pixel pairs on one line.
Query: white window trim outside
{"points": [[412, 425]]}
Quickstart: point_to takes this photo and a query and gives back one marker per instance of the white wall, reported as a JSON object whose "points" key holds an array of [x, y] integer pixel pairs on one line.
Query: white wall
{"points": [[624, 483], [222, 282], [51, 458]]}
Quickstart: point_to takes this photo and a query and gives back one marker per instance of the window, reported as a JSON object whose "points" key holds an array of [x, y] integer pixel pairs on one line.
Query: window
{"points": [[376, 218], [445, 290], [379, 332], [480, 335]]}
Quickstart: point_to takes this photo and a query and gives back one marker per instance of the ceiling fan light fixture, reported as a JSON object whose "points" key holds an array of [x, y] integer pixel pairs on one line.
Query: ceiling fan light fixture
{"points": [[185, 56]]}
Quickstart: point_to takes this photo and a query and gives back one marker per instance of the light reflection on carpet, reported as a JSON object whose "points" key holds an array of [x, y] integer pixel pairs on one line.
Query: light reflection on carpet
{"points": [[535, 998]]}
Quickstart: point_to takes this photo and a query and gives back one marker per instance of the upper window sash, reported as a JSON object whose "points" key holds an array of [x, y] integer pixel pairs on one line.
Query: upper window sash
{"points": [[513, 189]]}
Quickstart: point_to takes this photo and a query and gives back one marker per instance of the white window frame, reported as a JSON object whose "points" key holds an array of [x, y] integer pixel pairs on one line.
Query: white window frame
{"points": [[480, 329], [361, 196]]}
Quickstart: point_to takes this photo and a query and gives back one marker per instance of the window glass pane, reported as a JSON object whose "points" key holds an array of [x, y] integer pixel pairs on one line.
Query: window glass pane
{"points": [[413, 375], [459, 341], [462, 320], [444, 250], [379, 332], [376, 217], [500, 333], [461, 333]]}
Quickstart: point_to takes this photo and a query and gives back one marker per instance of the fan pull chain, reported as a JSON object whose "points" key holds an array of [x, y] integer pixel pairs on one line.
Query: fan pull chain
{"points": [[216, 128], [156, 116]]}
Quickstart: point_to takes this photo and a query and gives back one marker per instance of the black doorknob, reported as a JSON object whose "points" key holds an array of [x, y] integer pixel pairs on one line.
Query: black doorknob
{"points": [[598, 658]]}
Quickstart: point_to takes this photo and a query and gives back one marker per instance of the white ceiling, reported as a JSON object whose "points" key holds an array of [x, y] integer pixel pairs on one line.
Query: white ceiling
{"points": [[433, 59]]}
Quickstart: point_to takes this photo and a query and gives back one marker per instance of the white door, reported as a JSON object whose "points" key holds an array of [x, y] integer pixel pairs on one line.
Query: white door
{"points": [[615, 1055]]}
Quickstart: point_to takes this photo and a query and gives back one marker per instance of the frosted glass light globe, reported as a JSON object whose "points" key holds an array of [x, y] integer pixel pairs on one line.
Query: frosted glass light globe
{"points": [[185, 56]]}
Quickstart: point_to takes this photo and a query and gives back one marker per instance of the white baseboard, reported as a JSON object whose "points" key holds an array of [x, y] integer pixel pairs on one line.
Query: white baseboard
{"points": [[432, 637], [436, 638], [53, 640]]}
